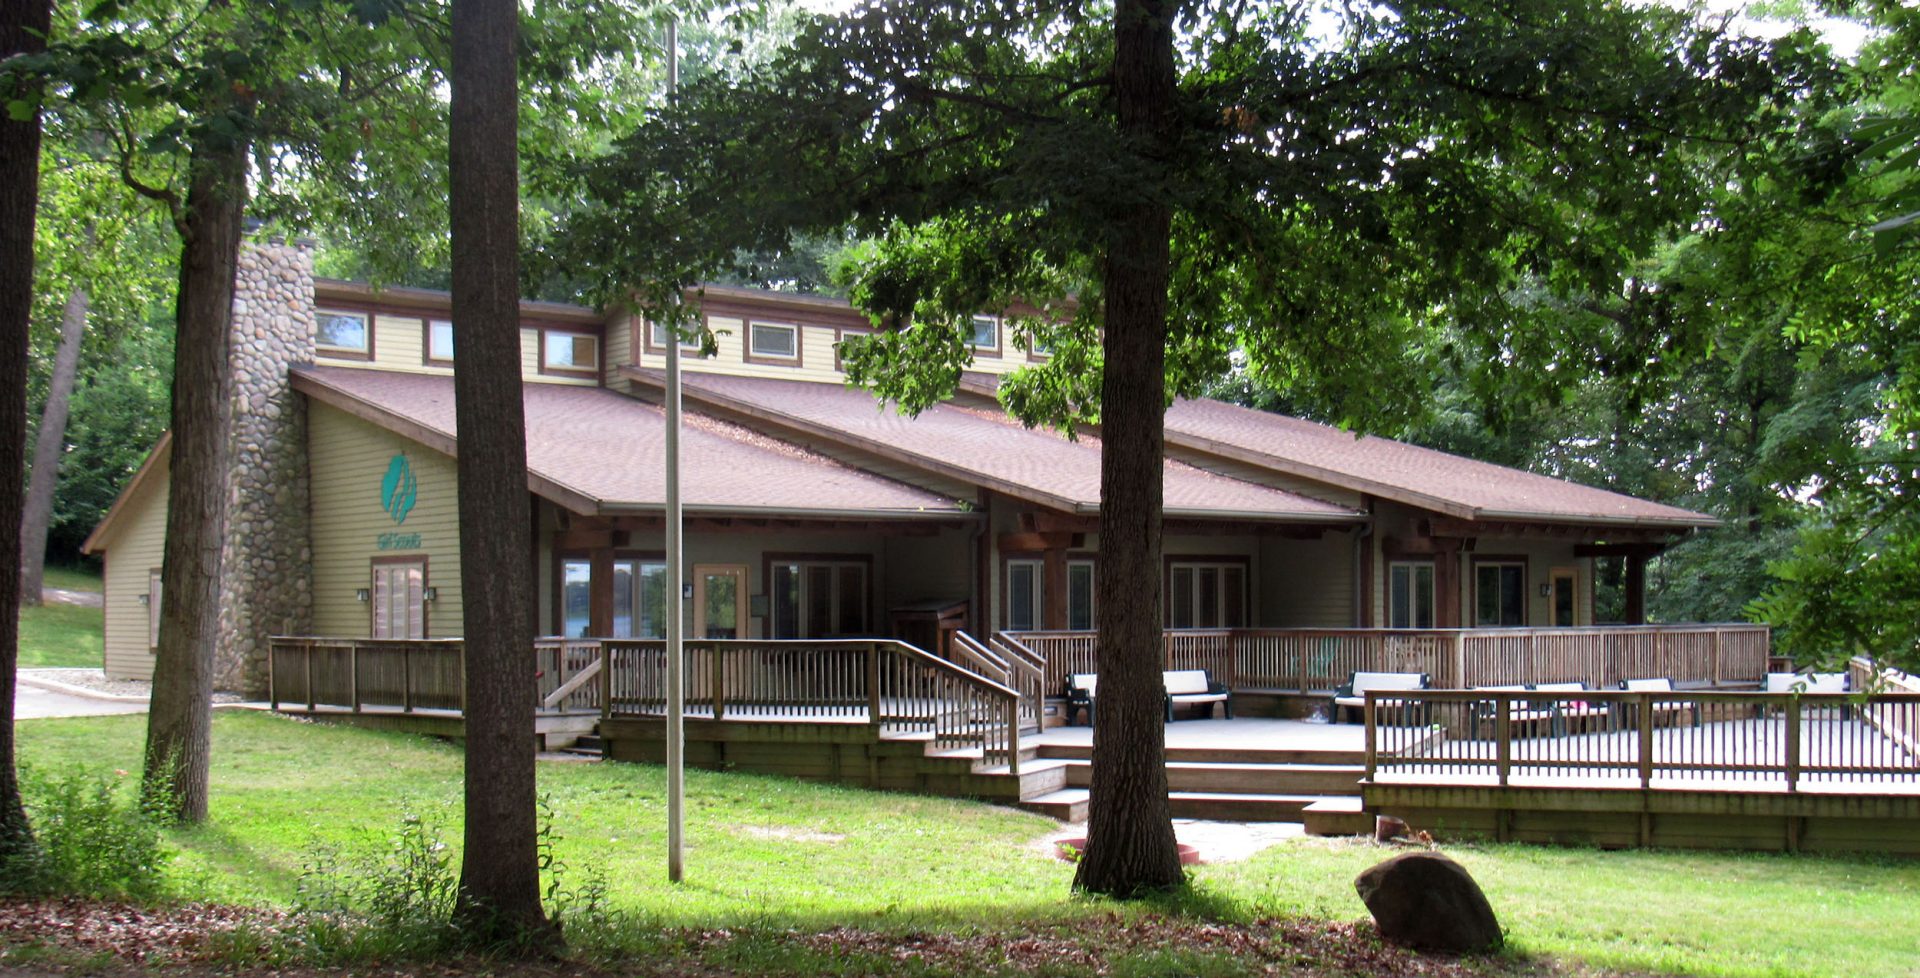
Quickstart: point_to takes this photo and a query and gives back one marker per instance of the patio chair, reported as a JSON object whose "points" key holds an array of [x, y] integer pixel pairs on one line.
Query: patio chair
{"points": [[1080, 695], [1195, 687], [1662, 684]]}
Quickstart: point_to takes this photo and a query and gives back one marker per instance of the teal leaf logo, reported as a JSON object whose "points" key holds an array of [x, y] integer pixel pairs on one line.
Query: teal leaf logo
{"points": [[398, 489]]}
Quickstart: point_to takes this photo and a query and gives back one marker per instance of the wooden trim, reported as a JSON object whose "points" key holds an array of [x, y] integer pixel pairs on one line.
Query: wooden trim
{"points": [[341, 352], [103, 529], [771, 359], [599, 351]]}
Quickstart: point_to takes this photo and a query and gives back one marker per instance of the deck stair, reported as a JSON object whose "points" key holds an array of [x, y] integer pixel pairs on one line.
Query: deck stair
{"points": [[1317, 787], [587, 746]]}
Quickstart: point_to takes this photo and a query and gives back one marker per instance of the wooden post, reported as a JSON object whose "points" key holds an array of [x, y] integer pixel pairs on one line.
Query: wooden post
{"points": [[717, 676], [353, 674], [1645, 730], [1166, 647], [1460, 677], [309, 679], [1372, 739], [1793, 743], [1636, 589], [1717, 634], [406, 679], [1503, 738], [1013, 736], [273, 682], [606, 681], [873, 684]]}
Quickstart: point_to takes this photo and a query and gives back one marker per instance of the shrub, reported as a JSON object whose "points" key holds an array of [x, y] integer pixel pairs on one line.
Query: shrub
{"points": [[91, 843]]}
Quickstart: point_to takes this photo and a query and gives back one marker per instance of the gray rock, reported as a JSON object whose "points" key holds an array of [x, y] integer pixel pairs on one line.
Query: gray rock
{"points": [[1425, 900]]}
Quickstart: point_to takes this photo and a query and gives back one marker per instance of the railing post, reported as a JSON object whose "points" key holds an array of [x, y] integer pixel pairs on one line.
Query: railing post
{"points": [[1793, 743], [1503, 739], [1717, 634], [1460, 677], [1166, 643], [1371, 718], [406, 679], [606, 681], [273, 683], [353, 674], [1233, 659], [873, 683], [716, 675], [1013, 736], [309, 679], [1373, 751], [1645, 731]]}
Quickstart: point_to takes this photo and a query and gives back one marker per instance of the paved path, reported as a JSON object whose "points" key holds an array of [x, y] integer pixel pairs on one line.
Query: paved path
{"points": [[60, 595], [38, 703]]}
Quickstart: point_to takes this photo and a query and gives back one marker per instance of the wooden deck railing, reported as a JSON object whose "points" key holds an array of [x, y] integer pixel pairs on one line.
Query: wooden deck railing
{"points": [[1318, 659], [1897, 727], [1690, 740], [885, 683], [1007, 666], [358, 674]]}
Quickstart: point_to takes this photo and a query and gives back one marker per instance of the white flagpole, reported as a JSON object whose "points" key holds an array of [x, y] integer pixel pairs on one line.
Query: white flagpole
{"points": [[676, 604]]}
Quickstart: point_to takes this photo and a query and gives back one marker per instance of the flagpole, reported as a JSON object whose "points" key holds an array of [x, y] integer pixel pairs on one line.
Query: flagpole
{"points": [[676, 603]]}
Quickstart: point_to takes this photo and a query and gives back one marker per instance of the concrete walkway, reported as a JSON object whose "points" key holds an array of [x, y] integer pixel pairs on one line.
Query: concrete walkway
{"points": [[40, 698]]}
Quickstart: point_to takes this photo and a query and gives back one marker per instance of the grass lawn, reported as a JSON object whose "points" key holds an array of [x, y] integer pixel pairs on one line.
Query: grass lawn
{"points": [[71, 578], [60, 635], [768, 853]]}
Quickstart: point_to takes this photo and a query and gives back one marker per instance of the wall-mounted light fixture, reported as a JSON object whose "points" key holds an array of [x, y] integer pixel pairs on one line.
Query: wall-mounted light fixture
{"points": [[430, 594], [362, 595], [145, 598], [1546, 590]]}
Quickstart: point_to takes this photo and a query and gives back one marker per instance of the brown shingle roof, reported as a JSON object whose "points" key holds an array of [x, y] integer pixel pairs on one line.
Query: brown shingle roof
{"points": [[1451, 484], [986, 448], [596, 450]]}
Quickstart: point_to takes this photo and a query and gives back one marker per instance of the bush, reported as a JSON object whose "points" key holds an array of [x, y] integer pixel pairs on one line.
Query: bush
{"points": [[91, 843]]}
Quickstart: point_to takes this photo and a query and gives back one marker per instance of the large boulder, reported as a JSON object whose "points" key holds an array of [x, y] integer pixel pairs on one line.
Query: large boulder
{"points": [[1425, 900]]}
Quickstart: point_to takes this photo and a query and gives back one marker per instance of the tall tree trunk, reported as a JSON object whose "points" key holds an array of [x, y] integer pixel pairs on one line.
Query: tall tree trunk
{"points": [[50, 446], [179, 718], [1130, 842], [23, 28], [499, 902]]}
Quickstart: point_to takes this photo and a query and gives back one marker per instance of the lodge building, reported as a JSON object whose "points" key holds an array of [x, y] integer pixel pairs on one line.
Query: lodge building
{"points": [[813, 511]]}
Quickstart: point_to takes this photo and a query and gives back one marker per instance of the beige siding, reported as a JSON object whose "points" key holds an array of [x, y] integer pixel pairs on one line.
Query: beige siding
{"points": [[399, 344], [1306, 583], [349, 458], [816, 361], [134, 551]]}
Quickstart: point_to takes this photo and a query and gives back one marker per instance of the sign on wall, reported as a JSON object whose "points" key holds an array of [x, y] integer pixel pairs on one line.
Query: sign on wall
{"points": [[399, 489]]}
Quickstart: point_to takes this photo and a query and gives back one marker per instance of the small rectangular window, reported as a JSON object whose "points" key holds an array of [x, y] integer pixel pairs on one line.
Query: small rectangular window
{"points": [[1025, 609], [1080, 595], [343, 332], [571, 351], [774, 340], [657, 340], [986, 333], [1410, 595], [440, 341], [1500, 594]]}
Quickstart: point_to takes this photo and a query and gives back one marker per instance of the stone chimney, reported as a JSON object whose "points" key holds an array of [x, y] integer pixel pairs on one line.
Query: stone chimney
{"points": [[268, 559]]}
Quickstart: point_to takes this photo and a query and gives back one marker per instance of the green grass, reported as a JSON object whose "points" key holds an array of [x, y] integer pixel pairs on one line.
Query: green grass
{"points": [[72, 578], [766, 853], [60, 635]]}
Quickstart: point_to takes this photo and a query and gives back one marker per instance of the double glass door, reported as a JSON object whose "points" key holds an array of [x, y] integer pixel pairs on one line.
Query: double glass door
{"points": [[638, 599]]}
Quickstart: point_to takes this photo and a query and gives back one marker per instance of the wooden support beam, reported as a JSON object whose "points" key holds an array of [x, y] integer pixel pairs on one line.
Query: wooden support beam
{"points": [[1619, 549], [1034, 542], [1636, 589]]}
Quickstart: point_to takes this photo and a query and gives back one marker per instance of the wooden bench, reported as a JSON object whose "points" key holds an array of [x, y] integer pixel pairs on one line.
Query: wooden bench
{"points": [[1558, 714], [1195, 687], [1353, 695], [1184, 687]]}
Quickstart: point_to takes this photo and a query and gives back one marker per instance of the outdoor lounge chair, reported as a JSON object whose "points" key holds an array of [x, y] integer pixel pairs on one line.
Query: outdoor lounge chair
{"points": [[1665, 707], [1353, 695], [1195, 687]]}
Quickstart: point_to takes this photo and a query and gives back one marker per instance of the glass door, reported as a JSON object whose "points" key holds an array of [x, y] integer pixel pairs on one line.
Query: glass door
{"points": [[719, 601], [1565, 598]]}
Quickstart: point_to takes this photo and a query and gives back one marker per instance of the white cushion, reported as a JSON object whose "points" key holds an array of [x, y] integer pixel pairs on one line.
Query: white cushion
{"points": [[1811, 682], [1661, 685], [1185, 681], [1363, 681]]}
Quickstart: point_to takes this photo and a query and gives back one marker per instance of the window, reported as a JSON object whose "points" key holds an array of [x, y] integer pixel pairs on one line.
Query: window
{"points": [[1024, 606], [986, 333], [399, 599], [343, 333], [153, 609], [1410, 595], [773, 340], [1565, 601], [569, 351], [1500, 594], [819, 598], [576, 598], [439, 341], [1207, 595], [657, 340], [1080, 595], [841, 347], [639, 599]]}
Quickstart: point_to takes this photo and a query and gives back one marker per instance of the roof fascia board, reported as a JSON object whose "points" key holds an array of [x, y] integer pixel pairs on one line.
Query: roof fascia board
{"points": [[540, 485], [653, 379], [901, 515], [1699, 521], [103, 529], [1302, 470]]}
